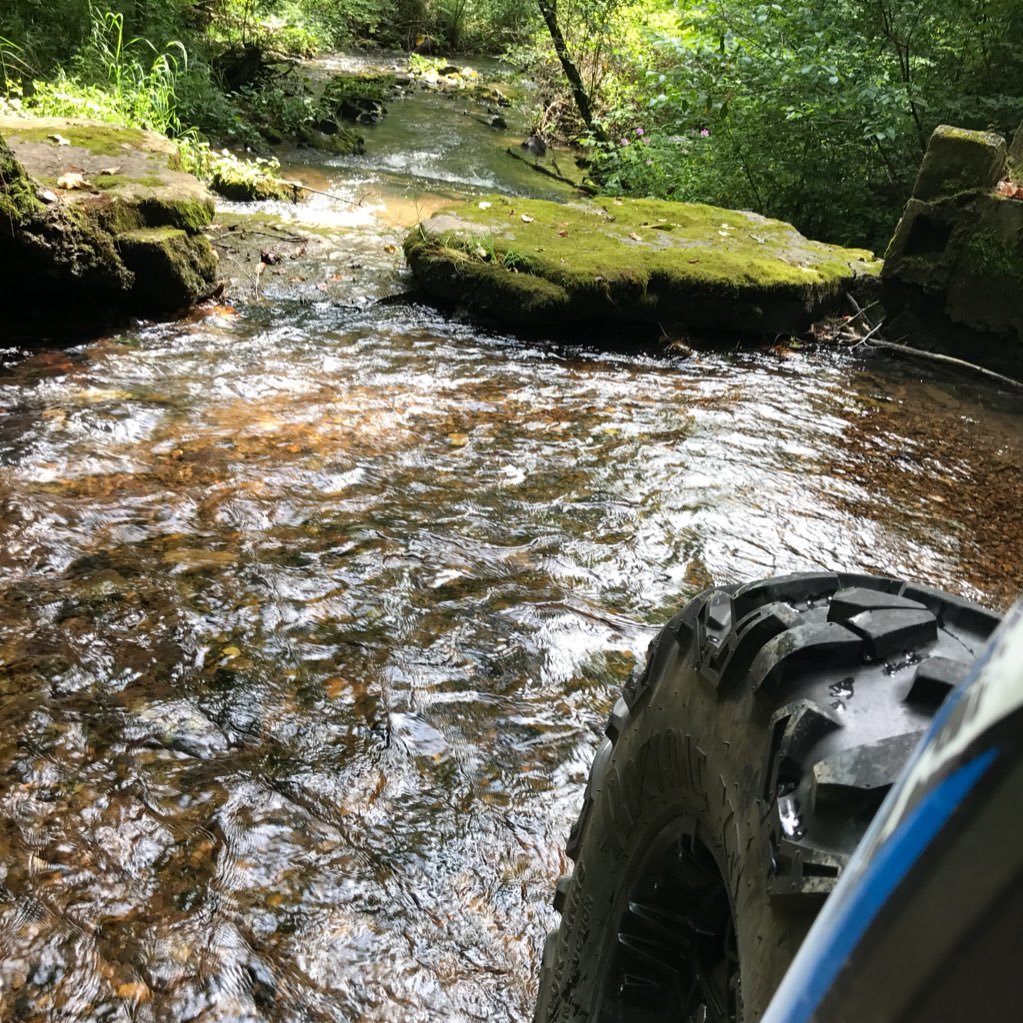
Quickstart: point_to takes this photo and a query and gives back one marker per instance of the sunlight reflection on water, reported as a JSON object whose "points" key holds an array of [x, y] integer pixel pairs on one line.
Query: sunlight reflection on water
{"points": [[307, 645], [312, 615]]}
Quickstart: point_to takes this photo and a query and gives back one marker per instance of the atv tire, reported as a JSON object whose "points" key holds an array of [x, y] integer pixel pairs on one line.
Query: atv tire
{"points": [[740, 770]]}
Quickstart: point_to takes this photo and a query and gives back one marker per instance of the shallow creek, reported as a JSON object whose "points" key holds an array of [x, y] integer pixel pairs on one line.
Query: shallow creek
{"points": [[313, 609]]}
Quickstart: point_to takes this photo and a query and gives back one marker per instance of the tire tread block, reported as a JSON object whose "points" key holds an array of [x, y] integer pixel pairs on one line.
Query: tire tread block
{"points": [[796, 727], [734, 659], [561, 890], [800, 647], [954, 611], [934, 679], [805, 871], [853, 599], [806, 587], [784, 635], [575, 834], [618, 719], [891, 631], [790, 589], [870, 766]]}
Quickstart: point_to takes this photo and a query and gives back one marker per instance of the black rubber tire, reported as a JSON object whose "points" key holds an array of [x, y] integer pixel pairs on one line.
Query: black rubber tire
{"points": [[740, 770]]}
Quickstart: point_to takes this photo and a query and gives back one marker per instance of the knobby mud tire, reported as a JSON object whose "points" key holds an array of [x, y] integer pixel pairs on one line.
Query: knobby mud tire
{"points": [[739, 771]]}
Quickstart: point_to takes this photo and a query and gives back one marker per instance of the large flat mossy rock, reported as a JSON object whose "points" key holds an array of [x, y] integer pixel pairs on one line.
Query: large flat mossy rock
{"points": [[532, 263], [99, 222]]}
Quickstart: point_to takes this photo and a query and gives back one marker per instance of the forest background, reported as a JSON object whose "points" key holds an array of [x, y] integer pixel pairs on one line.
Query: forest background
{"points": [[817, 113]]}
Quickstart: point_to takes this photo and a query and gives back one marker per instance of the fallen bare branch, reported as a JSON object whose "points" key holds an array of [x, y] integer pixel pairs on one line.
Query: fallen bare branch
{"points": [[948, 360]]}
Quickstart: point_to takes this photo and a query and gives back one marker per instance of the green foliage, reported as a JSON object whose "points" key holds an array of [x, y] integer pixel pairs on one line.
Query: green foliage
{"points": [[368, 86], [12, 65], [234, 178], [813, 112], [817, 114], [113, 80], [117, 80], [277, 110]]}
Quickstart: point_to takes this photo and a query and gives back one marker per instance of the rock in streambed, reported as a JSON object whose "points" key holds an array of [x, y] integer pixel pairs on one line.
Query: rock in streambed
{"points": [[97, 222], [620, 262], [953, 275]]}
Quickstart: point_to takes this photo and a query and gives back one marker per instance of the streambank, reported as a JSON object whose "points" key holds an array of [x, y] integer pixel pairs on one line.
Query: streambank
{"points": [[99, 223]]}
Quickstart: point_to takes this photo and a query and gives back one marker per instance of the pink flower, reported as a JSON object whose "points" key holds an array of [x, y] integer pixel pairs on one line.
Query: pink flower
{"points": [[704, 133], [624, 142], [639, 131]]}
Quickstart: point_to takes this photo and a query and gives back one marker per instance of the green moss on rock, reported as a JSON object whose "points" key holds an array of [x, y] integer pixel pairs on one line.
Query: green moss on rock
{"points": [[343, 141], [172, 268], [641, 261], [250, 189], [18, 202], [99, 139], [953, 273], [985, 254], [165, 208], [372, 86], [108, 182], [959, 160], [1015, 156], [131, 246]]}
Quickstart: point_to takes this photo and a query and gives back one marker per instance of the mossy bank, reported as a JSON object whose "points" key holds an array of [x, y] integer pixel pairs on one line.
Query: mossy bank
{"points": [[642, 262], [97, 223]]}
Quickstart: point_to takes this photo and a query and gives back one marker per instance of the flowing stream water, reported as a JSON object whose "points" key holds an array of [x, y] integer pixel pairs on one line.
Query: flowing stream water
{"points": [[313, 609]]}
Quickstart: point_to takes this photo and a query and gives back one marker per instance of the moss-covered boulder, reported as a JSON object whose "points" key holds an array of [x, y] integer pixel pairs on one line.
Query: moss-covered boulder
{"points": [[532, 263], [18, 199], [953, 273], [97, 222], [359, 96], [247, 180], [959, 160], [170, 269], [329, 136]]}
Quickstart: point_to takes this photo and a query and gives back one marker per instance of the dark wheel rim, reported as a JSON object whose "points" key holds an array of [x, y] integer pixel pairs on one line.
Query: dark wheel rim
{"points": [[673, 954]]}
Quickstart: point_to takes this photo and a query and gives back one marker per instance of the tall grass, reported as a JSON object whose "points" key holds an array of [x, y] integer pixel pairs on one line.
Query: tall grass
{"points": [[115, 80], [13, 66], [127, 82]]}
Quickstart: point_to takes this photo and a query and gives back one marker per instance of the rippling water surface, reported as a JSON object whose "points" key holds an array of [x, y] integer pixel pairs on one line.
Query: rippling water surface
{"points": [[312, 615]]}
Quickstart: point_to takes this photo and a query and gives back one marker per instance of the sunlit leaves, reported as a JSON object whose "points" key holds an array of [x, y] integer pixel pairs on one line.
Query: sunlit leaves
{"points": [[817, 113]]}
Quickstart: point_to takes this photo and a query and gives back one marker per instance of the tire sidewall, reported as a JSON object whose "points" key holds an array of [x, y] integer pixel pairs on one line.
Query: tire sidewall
{"points": [[659, 772]]}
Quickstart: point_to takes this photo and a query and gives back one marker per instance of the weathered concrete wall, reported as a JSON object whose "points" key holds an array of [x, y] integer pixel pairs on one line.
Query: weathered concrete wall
{"points": [[953, 273]]}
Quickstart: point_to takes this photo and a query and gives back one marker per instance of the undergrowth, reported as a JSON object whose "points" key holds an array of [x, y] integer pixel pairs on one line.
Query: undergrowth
{"points": [[129, 82]]}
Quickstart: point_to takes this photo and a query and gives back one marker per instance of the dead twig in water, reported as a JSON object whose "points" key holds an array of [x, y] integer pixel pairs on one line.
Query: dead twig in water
{"points": [[296, 185], [858, 309], [848, 330], [871, 341], [253, 279], [866, 337], [948, 360], [277, 234]]}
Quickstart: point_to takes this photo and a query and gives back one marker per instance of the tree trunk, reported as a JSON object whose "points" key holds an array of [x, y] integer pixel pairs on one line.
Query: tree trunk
{"points": [[548, 8]]}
